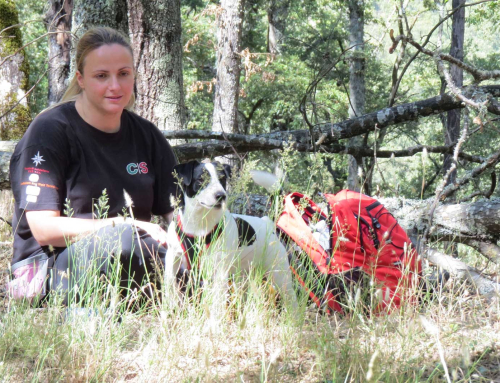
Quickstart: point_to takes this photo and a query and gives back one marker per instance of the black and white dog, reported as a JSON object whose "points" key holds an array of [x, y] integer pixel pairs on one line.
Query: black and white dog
{"points": [[231, 242]]}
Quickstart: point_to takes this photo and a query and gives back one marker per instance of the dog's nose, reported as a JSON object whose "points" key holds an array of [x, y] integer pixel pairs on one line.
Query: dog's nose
{"points": [[220, 196]]}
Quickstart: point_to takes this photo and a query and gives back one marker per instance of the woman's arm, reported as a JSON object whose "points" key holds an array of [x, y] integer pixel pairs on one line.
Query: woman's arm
{"points": [[49, 228]]}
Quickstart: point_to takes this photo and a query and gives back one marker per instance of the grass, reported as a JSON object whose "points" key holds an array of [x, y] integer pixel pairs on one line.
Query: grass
{"points": [[253, 340]]}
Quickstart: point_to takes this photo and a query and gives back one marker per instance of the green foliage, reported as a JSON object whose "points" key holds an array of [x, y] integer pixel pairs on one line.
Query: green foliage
{"points": [[101, 207], [316, 38], [68, 210]]}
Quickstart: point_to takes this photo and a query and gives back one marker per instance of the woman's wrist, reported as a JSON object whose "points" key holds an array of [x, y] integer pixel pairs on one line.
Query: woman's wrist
{"points": [[118, 221], [126, 220]]}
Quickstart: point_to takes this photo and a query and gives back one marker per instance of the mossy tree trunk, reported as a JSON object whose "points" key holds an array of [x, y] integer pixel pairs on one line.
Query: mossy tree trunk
{"points": [[58, 21], [14, 74], [155, 30]]}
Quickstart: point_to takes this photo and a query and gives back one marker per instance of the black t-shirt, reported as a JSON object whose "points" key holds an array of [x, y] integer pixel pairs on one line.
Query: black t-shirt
{"points": [[62, 160]]}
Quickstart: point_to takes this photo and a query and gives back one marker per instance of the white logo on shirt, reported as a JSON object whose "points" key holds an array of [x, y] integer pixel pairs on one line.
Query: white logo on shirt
{"points": [[38, 159]]}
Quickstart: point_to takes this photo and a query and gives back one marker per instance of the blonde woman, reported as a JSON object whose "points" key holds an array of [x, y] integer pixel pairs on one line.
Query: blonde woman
{"points": [[71, 153]]}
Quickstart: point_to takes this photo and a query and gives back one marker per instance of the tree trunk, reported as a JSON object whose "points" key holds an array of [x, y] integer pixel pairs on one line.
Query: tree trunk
{"points": [[97, 13], [14, 75], [227, 86], [276, 15], [457, 50], [155, 30], [356, 86], [58, 21]]}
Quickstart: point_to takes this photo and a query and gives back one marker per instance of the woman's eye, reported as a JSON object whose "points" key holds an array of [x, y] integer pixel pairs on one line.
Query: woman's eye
{"points": [[100, 76], [125, 74]]}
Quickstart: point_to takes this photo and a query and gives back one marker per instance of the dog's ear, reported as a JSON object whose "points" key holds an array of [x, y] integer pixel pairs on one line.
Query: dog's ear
{"points": [[227, 170], [185, 171]]}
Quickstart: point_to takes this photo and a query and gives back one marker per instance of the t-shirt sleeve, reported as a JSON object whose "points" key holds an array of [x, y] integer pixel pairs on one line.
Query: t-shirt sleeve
{"points": [[165, 183], [37, 178], [37, 167]]}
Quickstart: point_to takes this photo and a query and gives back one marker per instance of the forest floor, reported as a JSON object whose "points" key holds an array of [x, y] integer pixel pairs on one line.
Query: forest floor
{"points": [[453, 336]]}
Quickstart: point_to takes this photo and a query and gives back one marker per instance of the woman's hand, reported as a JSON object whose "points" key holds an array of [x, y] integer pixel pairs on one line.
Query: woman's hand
{"points": [[153, 229]]}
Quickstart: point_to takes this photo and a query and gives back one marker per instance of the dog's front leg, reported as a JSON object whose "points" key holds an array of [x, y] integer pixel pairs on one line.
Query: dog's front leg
{"points": [[218, 288], [276, 260], [173, 263], [173, 294]]}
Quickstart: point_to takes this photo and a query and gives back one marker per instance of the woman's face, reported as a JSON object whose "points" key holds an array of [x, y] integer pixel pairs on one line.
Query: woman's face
{"points": [[107, 79]]}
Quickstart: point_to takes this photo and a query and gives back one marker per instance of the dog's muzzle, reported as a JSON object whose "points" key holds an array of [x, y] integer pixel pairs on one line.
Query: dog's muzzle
{"points": [[220, 197]]}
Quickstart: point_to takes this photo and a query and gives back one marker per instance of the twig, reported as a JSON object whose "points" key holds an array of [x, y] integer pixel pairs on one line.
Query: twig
{"points": [[25, 95], [311, 86], [439, 191], [407, 65], [453, 88], [486, 194], [492, 161], [478, 74], [29, 43]]}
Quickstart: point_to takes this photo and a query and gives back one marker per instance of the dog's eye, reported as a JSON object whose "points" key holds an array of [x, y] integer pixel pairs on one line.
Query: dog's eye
{"points": [[222, 181], [197, 185]]}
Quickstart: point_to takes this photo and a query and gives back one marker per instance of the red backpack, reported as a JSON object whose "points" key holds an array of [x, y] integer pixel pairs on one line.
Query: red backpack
{"points": [[365, 240]]}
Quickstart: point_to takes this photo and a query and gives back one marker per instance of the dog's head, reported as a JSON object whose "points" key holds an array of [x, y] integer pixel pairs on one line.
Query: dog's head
{"points": [[203, 184]]}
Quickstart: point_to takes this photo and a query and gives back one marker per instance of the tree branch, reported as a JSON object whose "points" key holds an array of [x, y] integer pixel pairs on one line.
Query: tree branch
{"points": [[478, 74], [490, 162], [392, 98], [330, 133], [255, 143], [460, 270], [486, 194]]}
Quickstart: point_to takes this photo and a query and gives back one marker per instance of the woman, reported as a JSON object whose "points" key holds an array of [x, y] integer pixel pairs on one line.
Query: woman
{"points": [[86, 147]]}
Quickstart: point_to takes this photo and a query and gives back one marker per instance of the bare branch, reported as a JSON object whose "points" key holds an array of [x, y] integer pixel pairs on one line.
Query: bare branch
{"points": [[486, 194], [490, 162], [261, 142], [407, 65], [29, 43], [488, 249], [478, 74], [25, 95], [330, 133], [439, 190], [462, 271]]}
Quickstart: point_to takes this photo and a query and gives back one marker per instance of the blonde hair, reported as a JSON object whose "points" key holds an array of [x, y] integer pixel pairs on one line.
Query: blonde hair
{"points": [[93, 39]]}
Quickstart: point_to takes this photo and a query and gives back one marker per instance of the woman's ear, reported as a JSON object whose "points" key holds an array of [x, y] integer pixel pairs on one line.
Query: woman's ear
{"points": [[79, 79]]}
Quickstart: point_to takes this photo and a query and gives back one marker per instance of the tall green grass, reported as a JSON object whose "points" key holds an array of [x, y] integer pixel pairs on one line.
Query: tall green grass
{"points": [[254, 338]]}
